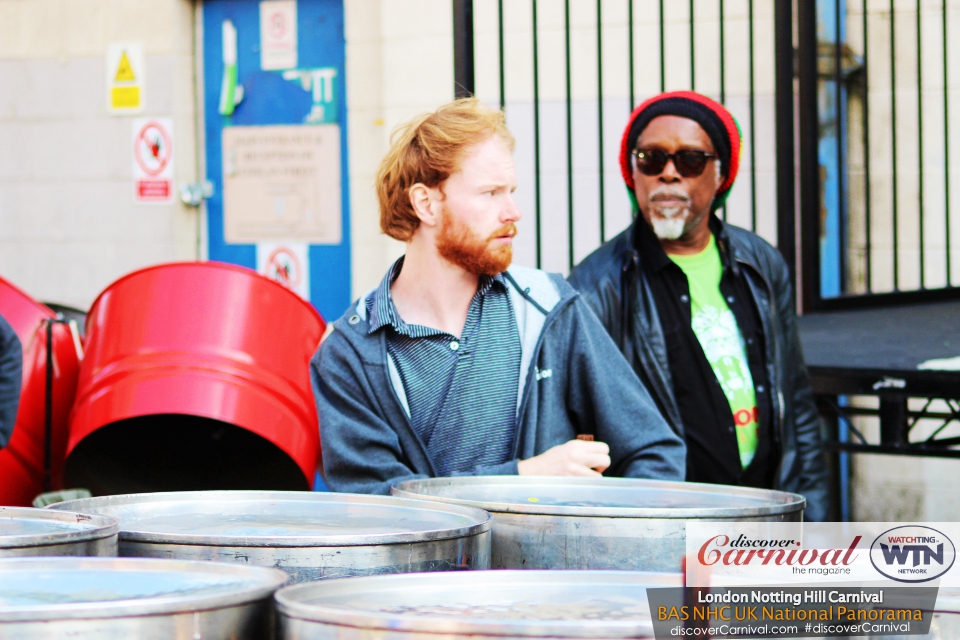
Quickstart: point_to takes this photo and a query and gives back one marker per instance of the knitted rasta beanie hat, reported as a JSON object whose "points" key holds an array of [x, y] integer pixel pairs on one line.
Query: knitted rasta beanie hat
{"points": [[712, 116]]}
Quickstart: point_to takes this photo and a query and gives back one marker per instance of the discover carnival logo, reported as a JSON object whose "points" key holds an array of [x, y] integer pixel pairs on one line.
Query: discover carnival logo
{"points": [[745, 551], [912, 553]]}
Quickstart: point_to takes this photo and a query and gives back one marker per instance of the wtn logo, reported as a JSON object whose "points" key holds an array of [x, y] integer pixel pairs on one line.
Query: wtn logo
{"points": [[921, 553], [912, 553]]}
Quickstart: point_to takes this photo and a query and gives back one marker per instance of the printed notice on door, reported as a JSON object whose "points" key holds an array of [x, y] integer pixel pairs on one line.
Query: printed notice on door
{"points": [[282, 183]]}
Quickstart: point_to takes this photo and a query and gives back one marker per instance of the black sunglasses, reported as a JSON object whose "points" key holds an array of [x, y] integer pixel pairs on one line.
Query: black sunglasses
{"points": [[690, 163]]}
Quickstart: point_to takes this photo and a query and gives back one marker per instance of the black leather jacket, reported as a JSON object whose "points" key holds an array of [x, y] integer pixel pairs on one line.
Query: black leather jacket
{"points": [[613, 282]]}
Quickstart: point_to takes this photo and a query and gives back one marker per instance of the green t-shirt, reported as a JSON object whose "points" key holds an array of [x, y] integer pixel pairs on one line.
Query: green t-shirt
{"points": [[716, 329]]}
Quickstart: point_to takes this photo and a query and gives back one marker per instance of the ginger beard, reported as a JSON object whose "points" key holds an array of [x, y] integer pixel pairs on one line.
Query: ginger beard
{"points": [[457, 243]]}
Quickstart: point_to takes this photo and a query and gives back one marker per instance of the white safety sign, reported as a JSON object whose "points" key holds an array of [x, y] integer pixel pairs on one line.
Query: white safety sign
{"points": [[282, 182], [287, 263], [125, 77], [153, 160], [278, 34]]}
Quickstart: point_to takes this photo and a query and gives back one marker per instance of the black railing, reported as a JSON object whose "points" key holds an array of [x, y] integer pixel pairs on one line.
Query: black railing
{"points": [[463, 63], [864, 194], [688, 44], [880, 231]]}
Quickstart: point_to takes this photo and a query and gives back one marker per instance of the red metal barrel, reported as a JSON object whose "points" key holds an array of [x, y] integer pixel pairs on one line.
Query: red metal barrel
{"points": [[196, 376], [22, 461]]}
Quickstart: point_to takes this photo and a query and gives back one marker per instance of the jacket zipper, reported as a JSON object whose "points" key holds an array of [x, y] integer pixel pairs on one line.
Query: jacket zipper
{"points": [[562, 304], [776, 358]]}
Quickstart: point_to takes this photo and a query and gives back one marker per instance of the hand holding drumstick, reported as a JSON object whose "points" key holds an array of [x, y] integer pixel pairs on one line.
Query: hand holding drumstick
{"points": [[580, 457]]}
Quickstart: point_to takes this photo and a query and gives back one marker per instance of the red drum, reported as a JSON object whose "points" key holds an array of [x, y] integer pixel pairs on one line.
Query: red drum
{"points": [[22, 461], [196, 377]]}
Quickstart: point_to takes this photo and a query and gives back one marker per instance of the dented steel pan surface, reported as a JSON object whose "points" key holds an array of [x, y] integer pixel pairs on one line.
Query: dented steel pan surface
{"points": [[945, 624], [311, 536], [512, 604], [38, 532], [96, 598], [599, 523]]}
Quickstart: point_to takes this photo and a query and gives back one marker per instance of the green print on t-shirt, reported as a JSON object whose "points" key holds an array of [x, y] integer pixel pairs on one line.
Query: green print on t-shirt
{"points": [[716, 329]]}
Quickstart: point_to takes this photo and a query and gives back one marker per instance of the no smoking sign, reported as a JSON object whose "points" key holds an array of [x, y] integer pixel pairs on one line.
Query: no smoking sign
{"points": [[287, 263], [153, 160], [284, 267], [278, 34]]}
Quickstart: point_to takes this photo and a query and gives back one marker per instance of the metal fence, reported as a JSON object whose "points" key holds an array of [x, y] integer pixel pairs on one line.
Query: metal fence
{"points": [[568, 73], [883, 82], [844, 107]]}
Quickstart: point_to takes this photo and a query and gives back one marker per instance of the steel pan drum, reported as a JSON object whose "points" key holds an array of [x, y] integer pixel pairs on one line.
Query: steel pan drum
{"points": [[514, 604], [946, 618], [311, 536], [599, 523], [196, 376], [38, 532], [22, 471], [96, 598]]}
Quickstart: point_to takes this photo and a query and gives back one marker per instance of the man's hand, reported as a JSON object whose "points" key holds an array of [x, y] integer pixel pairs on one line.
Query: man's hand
{"points": [[573, 458]]}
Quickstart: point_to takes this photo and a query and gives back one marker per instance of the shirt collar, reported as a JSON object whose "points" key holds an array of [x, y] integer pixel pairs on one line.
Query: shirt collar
{"points": [[380, 308], [382, 311]]}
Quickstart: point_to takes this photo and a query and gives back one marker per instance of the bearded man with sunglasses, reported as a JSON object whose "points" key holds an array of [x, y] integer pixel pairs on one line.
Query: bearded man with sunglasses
{"points": [[461, 364], [703, 310]]}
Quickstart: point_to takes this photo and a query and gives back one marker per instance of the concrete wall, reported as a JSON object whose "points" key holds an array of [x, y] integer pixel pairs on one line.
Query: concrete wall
{"points": [[399, 64], [68, 221]]}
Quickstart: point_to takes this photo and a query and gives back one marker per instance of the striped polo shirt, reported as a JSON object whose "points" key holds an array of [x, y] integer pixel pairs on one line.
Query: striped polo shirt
{"points": [[461, 391]]}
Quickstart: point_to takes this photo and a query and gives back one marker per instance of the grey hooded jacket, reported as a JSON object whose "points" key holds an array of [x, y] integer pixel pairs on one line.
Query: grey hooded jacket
{"points": [[572, 381], [612, 281]]}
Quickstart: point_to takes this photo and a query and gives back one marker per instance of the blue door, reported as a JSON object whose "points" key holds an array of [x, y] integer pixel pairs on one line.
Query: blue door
{"points": [[249, 83]]}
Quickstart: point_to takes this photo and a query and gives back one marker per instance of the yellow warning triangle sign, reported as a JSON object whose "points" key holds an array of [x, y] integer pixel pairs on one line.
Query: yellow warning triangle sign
{"points": [[124, 70]]}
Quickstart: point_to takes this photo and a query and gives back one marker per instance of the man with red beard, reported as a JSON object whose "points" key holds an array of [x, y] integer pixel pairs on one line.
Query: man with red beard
{"points": [[457, 365]]}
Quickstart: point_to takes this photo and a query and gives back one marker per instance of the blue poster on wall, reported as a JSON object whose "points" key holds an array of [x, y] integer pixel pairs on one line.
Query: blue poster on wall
{"points": [[276, 151]]}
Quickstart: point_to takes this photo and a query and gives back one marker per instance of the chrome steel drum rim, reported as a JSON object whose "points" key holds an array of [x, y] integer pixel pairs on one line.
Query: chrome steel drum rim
{"points": [[259, 583], [87, 527], [292, 602], [481, 521], [948, 600], [779, 502]]}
